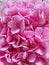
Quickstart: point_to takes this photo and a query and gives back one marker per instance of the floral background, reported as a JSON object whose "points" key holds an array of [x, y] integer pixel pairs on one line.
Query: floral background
{"points": [[24, 32]]}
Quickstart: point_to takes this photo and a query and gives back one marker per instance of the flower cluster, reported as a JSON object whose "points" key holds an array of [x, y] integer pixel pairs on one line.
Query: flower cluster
{"points": [[24, 32]]}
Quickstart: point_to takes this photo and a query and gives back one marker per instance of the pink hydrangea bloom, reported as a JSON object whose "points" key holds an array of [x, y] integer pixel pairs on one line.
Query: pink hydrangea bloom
{"points": [[24, 32]]}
